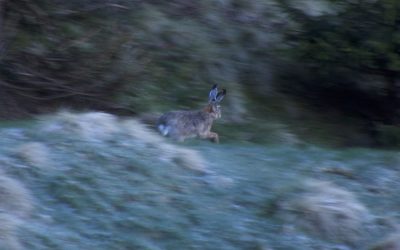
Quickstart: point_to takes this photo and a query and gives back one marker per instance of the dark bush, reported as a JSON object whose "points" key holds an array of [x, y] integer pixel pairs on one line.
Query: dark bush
{"points": [[349, 57]]}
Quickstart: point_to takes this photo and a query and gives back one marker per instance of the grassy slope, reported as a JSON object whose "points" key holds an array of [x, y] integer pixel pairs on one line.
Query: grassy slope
{"points": [[112, 190]]}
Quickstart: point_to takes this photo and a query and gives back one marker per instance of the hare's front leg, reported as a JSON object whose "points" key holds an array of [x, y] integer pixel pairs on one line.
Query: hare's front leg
{"points": [[213, 137]]}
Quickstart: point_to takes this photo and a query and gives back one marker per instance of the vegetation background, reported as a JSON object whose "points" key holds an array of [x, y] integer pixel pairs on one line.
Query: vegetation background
{"points": [[326, 71]]}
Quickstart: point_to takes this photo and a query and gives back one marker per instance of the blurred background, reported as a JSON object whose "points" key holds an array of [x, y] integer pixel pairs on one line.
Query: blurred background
{"points": [[321, 71]]}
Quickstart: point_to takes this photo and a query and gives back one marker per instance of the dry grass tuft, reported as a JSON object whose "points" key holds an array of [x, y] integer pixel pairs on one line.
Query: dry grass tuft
{"points": [[190, 159], [141, 132], [8, 236], [34, 153], [97, 126], [14, 197], [330, 212], [391, 242], [15, 206], [165, 151]]}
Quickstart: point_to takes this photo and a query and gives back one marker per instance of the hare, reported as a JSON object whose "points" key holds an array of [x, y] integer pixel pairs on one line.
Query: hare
{"points": [[181, 124]]}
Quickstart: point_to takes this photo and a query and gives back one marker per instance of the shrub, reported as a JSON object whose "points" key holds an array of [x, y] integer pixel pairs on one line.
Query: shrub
{"points": [[325, 210]]}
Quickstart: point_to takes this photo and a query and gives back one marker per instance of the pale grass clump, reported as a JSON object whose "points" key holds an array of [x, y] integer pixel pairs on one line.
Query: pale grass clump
{"points": [[165, 151], [8, 229], [34, 153], [150, 141], [141, 132], [99, 126], [330, 211], [190, 159], [15, 206], [391, 242], [91, 126], [14, 197]]}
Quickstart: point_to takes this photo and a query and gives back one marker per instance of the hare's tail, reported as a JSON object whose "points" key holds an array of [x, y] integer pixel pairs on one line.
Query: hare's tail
{"points": [[164, 129]]}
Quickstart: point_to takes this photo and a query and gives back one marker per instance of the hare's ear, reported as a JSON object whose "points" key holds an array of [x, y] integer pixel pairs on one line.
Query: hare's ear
{"points": [[220, 95], [212, 96]]}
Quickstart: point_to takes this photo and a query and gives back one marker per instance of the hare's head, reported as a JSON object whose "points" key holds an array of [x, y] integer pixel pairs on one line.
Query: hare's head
{"points": [[214, 99]]}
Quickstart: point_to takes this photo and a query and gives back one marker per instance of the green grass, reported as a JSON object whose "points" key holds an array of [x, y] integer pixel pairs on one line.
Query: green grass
{"points": [[118, 193]]}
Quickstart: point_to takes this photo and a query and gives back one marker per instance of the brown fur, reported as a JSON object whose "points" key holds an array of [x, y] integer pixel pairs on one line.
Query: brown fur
{"points": [[180, 125]]}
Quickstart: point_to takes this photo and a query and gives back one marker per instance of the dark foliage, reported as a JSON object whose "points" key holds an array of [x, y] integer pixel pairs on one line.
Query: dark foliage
{"points": [[349, 56], [124, 55]]}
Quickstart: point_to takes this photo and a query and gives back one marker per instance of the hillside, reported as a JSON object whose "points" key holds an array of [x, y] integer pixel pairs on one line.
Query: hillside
{"points": [[96, 181]]}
